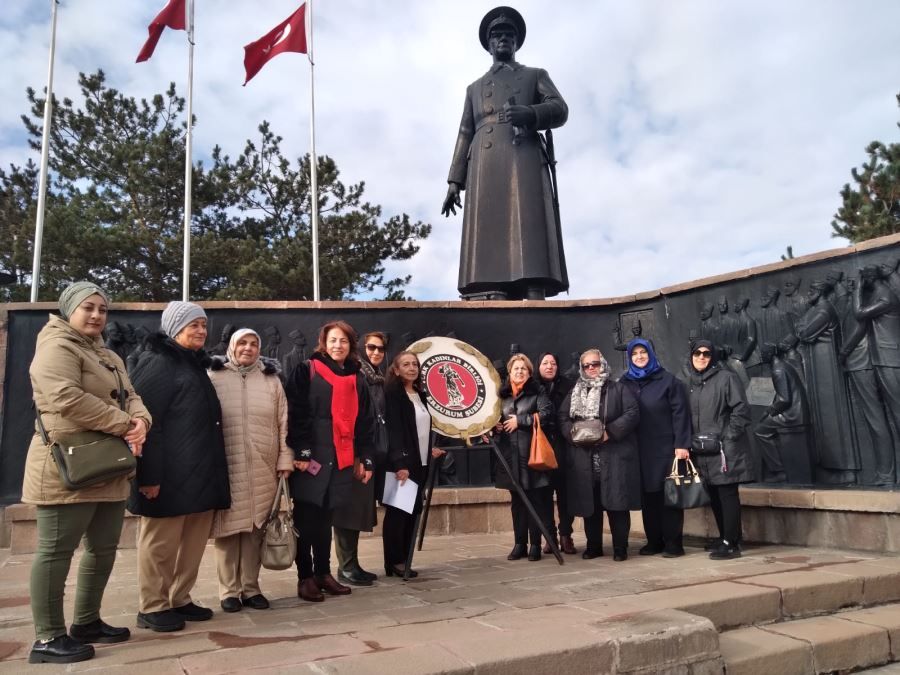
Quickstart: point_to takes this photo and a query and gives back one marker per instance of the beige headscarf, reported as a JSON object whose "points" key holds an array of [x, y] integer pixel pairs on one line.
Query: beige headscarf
{"points": [[232, 344]]}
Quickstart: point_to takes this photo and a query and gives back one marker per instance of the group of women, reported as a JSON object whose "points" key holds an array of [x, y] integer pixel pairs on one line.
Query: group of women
{"points": [[644, 423], [215, 435]]}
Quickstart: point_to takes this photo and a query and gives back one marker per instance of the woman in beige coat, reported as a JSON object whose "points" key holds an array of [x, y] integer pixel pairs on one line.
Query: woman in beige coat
{"points": [[75, 380], [254, 419]]}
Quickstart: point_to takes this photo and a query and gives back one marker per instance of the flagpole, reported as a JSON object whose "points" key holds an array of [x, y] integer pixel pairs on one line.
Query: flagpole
{"points": [[188, 148], [45, 155], [313, 161]]}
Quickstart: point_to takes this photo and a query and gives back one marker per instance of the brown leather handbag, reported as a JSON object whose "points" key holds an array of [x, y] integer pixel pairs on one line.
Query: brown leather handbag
{"points": [[542, 457]]}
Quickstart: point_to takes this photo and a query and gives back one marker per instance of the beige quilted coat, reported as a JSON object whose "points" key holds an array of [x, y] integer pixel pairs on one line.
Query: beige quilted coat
{"points": [[75, 390], [254, 421]]}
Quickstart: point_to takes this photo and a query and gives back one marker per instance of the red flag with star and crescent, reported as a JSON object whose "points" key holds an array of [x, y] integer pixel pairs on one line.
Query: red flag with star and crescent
{"points": [[288, 36], [172, 16]]}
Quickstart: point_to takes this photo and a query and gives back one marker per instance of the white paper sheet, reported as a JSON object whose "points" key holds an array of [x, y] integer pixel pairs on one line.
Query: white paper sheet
{"points": [[399, 496]]}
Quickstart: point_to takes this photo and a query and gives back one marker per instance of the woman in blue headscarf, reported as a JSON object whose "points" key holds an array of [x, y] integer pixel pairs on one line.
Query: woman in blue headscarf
{"points": [[664, 433]]}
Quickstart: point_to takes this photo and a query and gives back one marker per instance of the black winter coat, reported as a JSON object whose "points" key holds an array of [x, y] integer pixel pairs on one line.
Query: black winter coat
{"points": [[620, 475], [185, 451], [665, 424], [359, 512], [719, 406], [311, 435], [516, 446], [557, 390], [403, 436]]}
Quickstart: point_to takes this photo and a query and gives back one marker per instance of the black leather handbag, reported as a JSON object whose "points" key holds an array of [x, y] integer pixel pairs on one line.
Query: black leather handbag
{"points": [[684, 491]]}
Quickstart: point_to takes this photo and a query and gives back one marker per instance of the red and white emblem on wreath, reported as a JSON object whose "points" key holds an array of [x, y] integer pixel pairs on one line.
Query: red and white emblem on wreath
{"points": [[453, 386]]}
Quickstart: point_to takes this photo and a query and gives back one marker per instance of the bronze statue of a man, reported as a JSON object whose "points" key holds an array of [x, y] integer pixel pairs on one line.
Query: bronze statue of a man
{"points": [[511, 240]]}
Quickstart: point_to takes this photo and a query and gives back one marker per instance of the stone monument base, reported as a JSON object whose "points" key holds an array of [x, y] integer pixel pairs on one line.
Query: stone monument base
{"points": [[865, 520]]}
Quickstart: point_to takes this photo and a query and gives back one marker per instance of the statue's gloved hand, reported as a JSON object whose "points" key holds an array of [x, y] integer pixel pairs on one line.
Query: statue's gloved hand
{"points": [[520, 115], [452, 200]]}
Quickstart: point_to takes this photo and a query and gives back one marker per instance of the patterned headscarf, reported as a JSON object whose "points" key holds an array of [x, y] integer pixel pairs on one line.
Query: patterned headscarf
{"points": [[587, 391]]}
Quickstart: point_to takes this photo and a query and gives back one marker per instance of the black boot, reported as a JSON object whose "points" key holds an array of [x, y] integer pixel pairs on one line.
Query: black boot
{"points": [[61, 649], [99, 631], [534, 553], [518, 551]]}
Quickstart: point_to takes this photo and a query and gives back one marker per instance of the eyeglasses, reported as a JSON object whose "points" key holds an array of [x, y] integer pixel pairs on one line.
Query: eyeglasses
{"points": [[375, 348], [702, 354], [591, 364]]}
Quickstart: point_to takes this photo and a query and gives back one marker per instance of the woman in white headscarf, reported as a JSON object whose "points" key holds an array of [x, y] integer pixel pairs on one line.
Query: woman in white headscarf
{"points": [[254, 421]]}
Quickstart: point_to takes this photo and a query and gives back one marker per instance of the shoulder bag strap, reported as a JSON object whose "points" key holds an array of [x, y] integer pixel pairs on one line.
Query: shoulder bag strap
{"points": [[120, 396], [41, 429]]}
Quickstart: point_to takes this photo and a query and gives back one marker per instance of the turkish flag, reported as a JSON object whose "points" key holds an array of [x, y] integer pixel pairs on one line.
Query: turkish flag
{"points": [[288, 36], [172, 16]]}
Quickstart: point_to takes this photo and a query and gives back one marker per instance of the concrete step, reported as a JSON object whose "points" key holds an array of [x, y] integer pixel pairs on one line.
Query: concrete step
{"points": [[841, 642]]}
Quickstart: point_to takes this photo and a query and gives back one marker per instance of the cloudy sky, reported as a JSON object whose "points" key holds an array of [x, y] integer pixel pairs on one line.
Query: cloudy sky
{"points": [[703, 136]]}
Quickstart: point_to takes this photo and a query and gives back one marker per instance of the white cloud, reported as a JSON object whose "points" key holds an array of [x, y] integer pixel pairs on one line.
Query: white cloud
{"points": [[703, 136]]}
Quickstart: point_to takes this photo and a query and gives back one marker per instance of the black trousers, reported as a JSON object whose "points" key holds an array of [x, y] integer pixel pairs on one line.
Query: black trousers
{"points": [[725, 502], [558, 485], [524, 526], [662, 525], [397, 531], [619, 525], [313, 524]]}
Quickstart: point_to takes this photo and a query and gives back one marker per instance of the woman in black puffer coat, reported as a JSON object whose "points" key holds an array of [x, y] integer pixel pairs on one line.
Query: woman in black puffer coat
{"points": [[182, 477], [520, 398], [720, 416]]}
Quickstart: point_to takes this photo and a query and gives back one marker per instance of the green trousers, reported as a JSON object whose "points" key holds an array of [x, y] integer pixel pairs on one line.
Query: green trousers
{"points": [[346, 547], [60, 528]]}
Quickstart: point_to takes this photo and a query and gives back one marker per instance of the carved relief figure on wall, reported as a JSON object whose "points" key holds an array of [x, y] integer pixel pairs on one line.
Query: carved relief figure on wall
{"points": [[795, 305], [890, 273], [820, 341], [636, 330], [782, 432], [273, 342], [876, 304], [221, 348], [728, 328], [774, 324], [877, 453], [747, 351], [297, 354], [512, 245], [708, 326], [120, 338]]}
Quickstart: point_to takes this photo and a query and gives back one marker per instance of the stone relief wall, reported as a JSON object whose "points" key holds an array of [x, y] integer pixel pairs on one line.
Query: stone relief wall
{"points": [[815, 340]]}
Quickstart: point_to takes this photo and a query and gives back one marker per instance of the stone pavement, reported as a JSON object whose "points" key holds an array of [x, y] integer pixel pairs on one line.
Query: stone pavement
{"points": [[777, 610]]}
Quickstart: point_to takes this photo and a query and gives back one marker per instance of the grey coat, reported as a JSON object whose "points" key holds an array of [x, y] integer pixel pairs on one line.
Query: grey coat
{"points": [[511, 232]]}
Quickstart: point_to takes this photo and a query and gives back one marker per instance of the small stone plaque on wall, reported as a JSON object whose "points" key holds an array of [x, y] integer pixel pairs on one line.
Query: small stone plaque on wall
{"points": [[761, 391]]}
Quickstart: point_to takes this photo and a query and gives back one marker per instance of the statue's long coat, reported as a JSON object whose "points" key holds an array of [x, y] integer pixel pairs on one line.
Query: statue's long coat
{"points": [[511, 236]]}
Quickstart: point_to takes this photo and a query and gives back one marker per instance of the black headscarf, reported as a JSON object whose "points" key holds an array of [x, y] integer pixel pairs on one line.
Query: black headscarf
{"points": [[713, 361]]}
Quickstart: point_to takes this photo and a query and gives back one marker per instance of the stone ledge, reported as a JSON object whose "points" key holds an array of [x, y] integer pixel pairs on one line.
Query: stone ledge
{"points": [[871, 244], [868, 501], [21, 520]]}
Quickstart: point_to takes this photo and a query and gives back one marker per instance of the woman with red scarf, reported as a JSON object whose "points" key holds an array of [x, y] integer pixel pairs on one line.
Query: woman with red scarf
{"points": [[330, 428]]}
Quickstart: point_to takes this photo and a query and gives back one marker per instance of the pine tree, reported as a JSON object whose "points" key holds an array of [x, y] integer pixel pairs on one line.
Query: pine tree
{"points": [[871, 208], [115, 211]]}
